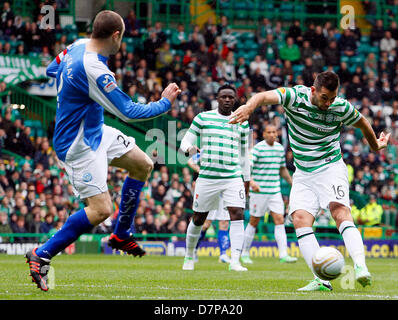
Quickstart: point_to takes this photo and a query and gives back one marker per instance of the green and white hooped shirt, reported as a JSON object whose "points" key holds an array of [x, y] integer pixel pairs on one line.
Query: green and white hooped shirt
{"points": [[314, 134], [266, 162]]}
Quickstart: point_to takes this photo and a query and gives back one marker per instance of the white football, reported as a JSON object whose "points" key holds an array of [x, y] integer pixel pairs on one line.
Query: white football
{"points": [[327, 263]]}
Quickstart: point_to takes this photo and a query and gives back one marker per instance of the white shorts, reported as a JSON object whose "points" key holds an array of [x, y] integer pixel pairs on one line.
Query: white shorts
{"points": [[314, 191], [220, 214], [208, 192], [262, 203], [87, 169]]}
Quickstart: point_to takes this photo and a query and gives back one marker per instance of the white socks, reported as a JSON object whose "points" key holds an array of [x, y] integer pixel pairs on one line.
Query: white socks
{"points": [[236, 234], [193, 234], [308, 243], [250, 231], [353, 242], [281, 239]]}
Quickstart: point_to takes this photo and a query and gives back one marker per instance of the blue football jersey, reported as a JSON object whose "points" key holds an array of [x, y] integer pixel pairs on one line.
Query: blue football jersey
{"points": [[86, 87]]}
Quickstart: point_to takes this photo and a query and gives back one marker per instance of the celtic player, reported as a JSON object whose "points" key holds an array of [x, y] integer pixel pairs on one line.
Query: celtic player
{"points": [[223, 161], [268, 166], [314, 117]]}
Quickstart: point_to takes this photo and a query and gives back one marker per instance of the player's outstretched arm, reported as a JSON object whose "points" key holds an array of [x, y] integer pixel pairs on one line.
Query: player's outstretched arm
{"points": [[243, 113], [367, 130]]}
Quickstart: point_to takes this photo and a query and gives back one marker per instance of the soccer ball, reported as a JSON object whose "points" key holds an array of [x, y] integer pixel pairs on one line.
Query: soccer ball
{"points": [[327, 263]]}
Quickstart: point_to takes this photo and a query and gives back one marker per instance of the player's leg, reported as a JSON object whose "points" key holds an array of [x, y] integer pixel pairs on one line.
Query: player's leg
{"points": [[334, 192], [192, 237], [281, 238], [352, 240], [258, 206], [223, 240], [250, 232], [235, 201], [236, 234], [139, 167], [205, 227], [308, 244], [206, 198], [99, 208]]}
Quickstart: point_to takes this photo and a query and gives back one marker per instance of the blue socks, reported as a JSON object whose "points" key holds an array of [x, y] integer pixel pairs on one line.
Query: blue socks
{"points": [[201, 237], [75, 225], [128, 205], [223, 241]]}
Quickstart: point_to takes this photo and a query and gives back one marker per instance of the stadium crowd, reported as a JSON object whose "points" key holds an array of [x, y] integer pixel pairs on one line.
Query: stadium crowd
{"points": [[35, 195]]}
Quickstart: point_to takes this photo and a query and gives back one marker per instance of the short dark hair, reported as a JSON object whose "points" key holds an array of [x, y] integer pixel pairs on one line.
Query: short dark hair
{"points": [[328, 80], [106, 23], [226, 86]]}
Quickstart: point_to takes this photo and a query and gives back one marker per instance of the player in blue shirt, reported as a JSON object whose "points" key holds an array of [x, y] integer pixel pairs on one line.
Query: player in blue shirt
{"points": [[86, 147]]}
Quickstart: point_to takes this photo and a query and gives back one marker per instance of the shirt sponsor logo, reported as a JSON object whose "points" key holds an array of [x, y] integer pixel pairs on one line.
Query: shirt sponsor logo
{"points": [[110, 87]]}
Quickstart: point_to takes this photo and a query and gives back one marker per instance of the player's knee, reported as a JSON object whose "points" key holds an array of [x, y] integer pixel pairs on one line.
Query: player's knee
{"points": [[278, 218], [143, 170], [254, 221], [149, 166], [236, 214], [198, 219], [105, 211], [300, 219], [340, 212]]}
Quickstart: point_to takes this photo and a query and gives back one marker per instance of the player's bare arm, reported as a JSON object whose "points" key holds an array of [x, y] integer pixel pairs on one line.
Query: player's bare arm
{"points": [[367, 130], [284, 173], [255, 187], [243, 113]]}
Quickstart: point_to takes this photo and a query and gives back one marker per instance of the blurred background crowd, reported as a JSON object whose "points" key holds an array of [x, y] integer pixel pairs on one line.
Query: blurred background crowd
{"points": [[36, 197]]}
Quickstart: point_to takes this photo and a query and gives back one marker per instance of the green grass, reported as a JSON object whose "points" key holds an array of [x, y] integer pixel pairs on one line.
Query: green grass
{"points": [[100, 277]]}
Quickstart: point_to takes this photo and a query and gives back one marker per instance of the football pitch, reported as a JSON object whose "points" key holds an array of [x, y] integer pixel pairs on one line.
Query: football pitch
{"points": [[114, 277]]}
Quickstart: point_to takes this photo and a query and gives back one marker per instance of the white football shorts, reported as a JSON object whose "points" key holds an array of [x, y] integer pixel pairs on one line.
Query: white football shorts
{"points": [[314, 191], [262, 203], [208, 192], [220, 214], [87, 169]]}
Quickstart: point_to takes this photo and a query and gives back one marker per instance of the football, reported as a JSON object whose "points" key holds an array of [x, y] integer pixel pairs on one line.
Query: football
{"points": [[327, 263]]}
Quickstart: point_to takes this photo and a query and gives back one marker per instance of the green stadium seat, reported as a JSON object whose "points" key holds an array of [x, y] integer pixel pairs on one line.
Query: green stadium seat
{"points": [[365, 39]]}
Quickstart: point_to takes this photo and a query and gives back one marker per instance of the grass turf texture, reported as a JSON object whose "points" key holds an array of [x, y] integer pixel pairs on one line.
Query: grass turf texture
{"points": [[99, 277]]}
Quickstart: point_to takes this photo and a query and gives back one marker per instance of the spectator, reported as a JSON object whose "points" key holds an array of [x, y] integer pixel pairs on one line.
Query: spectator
{"points": [[6, 15], [295, 32], [19, 227], [242, 70], [344, 74], [332, 54], [290, 51], [4, 226], [388, 43], [318, 40], [261, 64], [132, 25], [347, 43], [306, 50], [268, 50], [47, 224], [371, 214], [377, 33], [309, 72]]}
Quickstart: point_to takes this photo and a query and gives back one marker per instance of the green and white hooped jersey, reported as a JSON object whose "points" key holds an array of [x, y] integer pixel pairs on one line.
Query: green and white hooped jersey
{"points": [[224, 146], [314, 134], [266, 163]]}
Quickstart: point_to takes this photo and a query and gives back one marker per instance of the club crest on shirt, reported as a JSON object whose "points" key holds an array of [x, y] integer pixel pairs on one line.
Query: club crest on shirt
{"points": [[87, 177]]}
